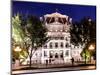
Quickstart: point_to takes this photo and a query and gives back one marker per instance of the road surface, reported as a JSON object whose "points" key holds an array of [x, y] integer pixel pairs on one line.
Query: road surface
{"points": [[53, 70]]}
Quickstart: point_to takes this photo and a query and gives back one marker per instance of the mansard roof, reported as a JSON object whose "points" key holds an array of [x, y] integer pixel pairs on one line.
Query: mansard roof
{"points": [[56, 14]]}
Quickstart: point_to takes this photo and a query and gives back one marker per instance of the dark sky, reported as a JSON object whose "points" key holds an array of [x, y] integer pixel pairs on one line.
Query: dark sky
{"points": [[76, 12]]}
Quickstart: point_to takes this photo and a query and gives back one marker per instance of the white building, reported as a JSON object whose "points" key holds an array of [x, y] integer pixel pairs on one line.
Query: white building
{"points": [[58, 49]]}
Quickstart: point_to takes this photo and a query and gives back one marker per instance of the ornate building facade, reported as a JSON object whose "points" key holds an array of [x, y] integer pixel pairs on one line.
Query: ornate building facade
{"points": [[58, 49]]}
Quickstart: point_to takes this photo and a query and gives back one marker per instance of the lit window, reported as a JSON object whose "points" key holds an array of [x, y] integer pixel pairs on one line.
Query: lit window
{"points": [[67, 53], [61, 55], [51, 56], [45, 53]]}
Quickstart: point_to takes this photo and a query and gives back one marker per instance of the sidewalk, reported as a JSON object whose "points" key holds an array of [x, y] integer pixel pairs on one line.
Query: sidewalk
{"points": [[44, 66], [39, 70]]}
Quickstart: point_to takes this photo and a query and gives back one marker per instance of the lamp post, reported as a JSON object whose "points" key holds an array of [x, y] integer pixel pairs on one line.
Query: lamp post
{"points": [[17, 50], [91, 48]]}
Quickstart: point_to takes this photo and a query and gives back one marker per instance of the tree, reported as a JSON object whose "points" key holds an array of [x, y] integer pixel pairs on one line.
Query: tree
{"points": [[83, 33], [17, 32], [76, 34], [18, 36], [36, 34], [86, 55], [28, 33]]}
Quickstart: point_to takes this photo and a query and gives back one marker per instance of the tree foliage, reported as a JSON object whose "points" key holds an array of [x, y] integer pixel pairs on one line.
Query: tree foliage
{"points": [[36, 32], [17, 32], [29, 34], [18, 36], [83, 32]]}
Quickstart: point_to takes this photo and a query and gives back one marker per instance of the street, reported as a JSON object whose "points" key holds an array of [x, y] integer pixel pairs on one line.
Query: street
{"points": [[53, 70]]}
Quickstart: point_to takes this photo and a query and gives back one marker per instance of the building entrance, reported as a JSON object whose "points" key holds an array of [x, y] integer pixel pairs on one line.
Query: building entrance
{"points": [[56, 58]]}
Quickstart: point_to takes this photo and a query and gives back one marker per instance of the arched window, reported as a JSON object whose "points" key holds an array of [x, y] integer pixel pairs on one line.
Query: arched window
{"points": [[61, 45], [67, 45], [50, 45], [56, 55], [56, 45], [61, 54], [51, 54]]}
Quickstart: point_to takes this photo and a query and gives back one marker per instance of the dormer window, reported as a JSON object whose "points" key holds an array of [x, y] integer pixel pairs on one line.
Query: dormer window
{"points": [[50, 19], [56, 19], [62, 20]]}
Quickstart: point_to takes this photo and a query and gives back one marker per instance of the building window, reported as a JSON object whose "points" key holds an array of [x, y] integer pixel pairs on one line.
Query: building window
{"points": [[64, 20], [48, 19], [51, 54], [56, 55], [56, 45], [62, 38], [66, 45], [66, 39], [61, 44], [45, 46], [52, 20], [67, 53], [45, 53], [61, 55], [50, 44]]}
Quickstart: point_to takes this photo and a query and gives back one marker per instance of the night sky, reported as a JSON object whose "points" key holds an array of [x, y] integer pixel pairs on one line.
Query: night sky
{"points": [[76, 12]]}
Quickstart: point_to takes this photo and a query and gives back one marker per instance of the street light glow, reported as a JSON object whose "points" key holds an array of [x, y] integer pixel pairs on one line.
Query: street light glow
{"points": [[17, 49], [91, 47]]}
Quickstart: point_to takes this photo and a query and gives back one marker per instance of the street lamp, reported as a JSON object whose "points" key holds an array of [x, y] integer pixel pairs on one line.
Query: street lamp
{"points": [[17, 49], [91, 47]]}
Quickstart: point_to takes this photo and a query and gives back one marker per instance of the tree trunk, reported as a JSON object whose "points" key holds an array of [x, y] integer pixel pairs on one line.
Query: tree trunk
{"points": [[30, 56], [30, 64], [85, 57]]}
